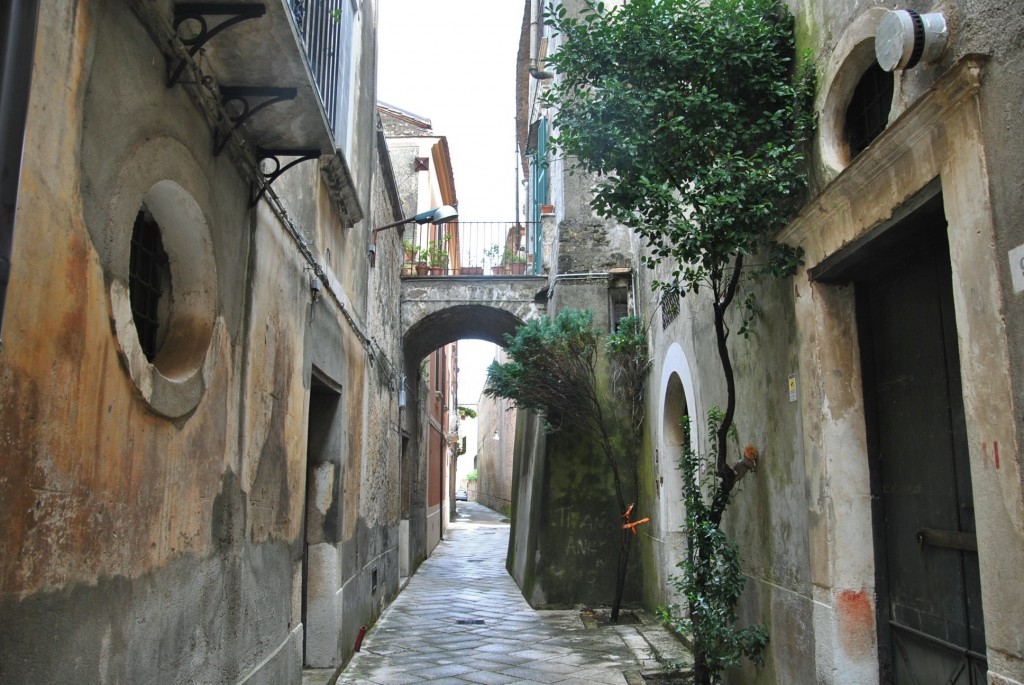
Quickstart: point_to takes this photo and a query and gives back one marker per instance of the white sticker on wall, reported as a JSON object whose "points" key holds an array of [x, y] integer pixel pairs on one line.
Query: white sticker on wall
{"points": [[792, 387], [1017, 268]]}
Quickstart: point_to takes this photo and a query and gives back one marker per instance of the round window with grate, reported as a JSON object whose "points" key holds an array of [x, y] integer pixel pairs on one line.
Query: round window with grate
{"points": [[149, 284], [165, 310], [856, 96]]}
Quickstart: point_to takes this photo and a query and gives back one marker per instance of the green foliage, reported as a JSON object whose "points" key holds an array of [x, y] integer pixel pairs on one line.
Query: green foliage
{"points": [[472, 476], [435, 253], [627, 348], [467, 413], [691, 115], [411, 249], [552, 370], [711, 580], [492, 253]]}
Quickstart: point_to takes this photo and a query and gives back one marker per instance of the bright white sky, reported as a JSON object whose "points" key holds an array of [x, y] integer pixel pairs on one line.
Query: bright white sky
{"points": [[453, 62]]}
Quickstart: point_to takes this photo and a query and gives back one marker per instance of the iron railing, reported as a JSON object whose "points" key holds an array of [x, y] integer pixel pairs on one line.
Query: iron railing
{"points": [[321, 27], [467, 248]]}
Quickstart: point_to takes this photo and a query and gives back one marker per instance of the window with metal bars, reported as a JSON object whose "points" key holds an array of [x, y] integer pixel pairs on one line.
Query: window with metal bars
{"points": [[669, 307], [149, 283], [868, 111]]}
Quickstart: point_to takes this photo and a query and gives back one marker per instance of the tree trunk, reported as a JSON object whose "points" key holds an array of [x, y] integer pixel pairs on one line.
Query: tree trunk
{"points": [[620, 577], [701, 674]]}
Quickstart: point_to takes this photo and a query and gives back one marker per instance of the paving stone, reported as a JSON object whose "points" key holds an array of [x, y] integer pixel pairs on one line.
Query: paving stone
{"points": [[417, 639]]}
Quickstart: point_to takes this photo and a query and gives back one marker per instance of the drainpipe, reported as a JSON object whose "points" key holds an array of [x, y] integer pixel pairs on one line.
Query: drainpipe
{"points": [[560, 277], [536, 27]]}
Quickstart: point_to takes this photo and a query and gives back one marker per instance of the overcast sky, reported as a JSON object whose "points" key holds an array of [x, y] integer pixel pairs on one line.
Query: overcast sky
{"points": [[453, 62]]}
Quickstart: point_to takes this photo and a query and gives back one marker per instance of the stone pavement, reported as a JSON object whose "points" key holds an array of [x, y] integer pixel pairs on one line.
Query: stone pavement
{"points": [[462, 620]]}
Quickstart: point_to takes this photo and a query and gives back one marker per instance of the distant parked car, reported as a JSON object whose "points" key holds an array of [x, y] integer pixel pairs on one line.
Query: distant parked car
{"points": [[461, 495]]}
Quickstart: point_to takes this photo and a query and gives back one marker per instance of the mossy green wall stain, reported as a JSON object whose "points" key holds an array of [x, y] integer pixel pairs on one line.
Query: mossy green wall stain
{"points": [[647, 477], [580, 529], [807, 32]]}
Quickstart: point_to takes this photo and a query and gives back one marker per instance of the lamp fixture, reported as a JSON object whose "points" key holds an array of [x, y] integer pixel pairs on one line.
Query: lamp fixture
{"points": [[905, 38], [314, 287], [439, 215]]}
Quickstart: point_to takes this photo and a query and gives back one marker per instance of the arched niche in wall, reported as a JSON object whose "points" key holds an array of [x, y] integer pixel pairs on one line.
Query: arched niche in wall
{"points": [[677, 405]]}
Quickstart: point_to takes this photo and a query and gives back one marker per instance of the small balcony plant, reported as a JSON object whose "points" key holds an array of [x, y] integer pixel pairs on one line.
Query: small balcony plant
{"points": [[492, 255], [515, 261], [412, 256], [437, 256]]}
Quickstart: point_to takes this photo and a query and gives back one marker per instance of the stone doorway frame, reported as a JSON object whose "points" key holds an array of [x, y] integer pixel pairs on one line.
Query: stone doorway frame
{"points": [[938, 137]]}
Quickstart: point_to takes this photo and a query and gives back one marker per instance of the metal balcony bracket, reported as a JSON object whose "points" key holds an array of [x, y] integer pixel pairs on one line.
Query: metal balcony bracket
{"points": [[200, 12], [237, 102], [264, 156]]}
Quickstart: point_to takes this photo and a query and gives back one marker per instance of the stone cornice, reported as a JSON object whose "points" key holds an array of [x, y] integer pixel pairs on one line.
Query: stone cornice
{"points": [[918, 126]]}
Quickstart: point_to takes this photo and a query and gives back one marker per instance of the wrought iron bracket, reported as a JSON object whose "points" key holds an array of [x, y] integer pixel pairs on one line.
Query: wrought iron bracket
{"points": [[264, 155], [243, 96], [200, 12]]}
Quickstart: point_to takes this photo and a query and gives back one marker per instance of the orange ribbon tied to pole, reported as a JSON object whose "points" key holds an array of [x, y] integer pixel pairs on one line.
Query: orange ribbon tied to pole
{"points": [[631, 525]]}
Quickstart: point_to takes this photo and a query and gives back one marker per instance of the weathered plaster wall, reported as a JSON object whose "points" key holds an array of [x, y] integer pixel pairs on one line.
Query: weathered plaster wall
{"points": [[159, 547], [768, 505], [124, 531], [497, 420], [567, 523], [975, 150], [803, 521]]}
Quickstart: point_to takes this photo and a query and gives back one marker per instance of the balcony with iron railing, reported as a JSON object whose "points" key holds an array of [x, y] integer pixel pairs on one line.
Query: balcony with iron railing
{"points": [[471, 248], [274, 74]]}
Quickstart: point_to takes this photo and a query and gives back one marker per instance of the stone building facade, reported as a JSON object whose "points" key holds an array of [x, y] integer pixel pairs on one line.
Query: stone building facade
{"points": [[425, 180], [494, 451], [883, 528], [200, 430]]}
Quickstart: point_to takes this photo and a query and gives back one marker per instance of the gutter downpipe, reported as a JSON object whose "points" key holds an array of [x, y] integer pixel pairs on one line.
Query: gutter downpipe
{"points": [[561, 277]]}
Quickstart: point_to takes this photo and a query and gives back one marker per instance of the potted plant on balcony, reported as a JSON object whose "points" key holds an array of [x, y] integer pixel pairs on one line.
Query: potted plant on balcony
{"points": [[437, 257], [491, 254], [515, 261], [411, 253]]}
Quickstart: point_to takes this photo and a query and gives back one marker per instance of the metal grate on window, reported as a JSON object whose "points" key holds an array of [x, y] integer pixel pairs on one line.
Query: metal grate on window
{"points": [[669, 307], [148, 280], [868, 112]]}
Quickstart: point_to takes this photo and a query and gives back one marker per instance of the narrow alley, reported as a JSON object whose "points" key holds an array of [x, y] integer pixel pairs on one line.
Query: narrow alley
{"points": [[462, 620]]}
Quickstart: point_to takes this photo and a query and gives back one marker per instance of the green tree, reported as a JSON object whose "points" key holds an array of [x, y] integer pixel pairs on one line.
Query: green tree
{"points": [[553, 370], [711, 580], [692, 116]]}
